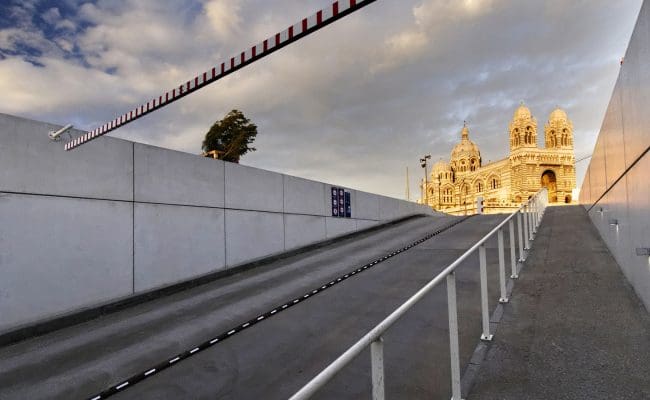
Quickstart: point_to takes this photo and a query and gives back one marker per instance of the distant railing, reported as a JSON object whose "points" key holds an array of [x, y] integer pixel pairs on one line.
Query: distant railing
{"points": [[528, 217]]}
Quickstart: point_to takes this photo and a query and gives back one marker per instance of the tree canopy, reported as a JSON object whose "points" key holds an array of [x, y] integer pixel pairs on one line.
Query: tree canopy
{"points": [[231, 136]]}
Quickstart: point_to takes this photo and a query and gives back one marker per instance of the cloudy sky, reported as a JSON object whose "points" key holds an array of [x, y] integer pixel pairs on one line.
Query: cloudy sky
{"points": [[354, 104]]}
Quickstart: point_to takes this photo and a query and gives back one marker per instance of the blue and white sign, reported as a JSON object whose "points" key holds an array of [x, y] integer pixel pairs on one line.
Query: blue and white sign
{"points": [[348, 205], [341, 203], [335, 202]]}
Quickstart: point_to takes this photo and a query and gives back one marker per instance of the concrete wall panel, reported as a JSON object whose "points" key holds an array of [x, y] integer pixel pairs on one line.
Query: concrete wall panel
{"points": [[617, 236], [31, 163], [638, 191], [122, 218], [598, 170], [301, 230], [624, 137], [167, 176], [61, 254], [250, 188], [612, 135], [388, 208], [339, 226], [363, 224], [176, 243], [585, 191], [302, 196], [252, 234], [366, 206], [635, 88]]}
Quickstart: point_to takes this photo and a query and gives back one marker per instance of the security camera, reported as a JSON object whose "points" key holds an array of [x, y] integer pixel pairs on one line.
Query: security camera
{"points": [[54, 135]]}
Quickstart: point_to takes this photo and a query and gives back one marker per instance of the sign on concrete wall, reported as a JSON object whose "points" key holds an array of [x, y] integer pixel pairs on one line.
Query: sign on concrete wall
{"points": [[341, 203]]}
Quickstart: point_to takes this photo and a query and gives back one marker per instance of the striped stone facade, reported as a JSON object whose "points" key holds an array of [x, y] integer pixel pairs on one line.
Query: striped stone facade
{"points": [[454, 186]]}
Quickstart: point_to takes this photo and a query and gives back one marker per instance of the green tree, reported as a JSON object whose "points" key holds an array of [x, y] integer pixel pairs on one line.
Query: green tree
{"points": [[231, 137]]}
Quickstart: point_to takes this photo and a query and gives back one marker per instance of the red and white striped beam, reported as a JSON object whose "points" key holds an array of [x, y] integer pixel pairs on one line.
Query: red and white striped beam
{"points": [[322, 18]]}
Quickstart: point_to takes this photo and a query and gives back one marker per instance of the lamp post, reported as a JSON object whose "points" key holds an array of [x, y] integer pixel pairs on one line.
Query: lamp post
{"points": [[423, 164]]}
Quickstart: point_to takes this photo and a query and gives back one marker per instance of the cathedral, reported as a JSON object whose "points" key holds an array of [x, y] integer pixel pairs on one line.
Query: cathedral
{"points": [[453, 187]]}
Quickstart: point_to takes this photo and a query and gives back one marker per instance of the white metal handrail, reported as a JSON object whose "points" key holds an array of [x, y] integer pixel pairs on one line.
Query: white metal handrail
{"points": [[531, 213]]}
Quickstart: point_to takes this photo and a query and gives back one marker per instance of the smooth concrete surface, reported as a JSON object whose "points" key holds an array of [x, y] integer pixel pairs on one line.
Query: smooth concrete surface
{"points": [[175, 243], [250, 188], [616, 189], [300, 230], [274, 358], [339, 226], [366, 206], [181, 201], [46, 267], [302, 196], [574, 328], [634, 79], [172, 177], [252, 234], [388, 208], [31, 163]]}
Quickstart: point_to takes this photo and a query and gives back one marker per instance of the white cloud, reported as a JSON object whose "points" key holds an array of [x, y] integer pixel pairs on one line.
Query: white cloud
{"points": [[223, 17], [353, 104]]}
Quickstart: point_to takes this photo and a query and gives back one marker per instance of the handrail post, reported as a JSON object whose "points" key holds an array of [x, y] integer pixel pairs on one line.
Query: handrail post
{"points": [[377, 366], [502, 268], [484, 294], [525, 217], [454, 351], [533, 219], [531, 225], [521, 240], [513, 256]]}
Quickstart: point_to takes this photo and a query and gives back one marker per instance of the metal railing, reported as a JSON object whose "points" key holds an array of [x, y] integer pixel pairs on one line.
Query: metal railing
{"points": [[528, 218]]}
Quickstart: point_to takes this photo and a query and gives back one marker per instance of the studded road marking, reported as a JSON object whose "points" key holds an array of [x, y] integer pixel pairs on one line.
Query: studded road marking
{"points": [[142, 376]]}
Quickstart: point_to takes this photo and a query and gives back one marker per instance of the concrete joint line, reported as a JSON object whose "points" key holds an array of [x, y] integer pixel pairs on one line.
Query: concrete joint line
{"points": [[176, 359]]}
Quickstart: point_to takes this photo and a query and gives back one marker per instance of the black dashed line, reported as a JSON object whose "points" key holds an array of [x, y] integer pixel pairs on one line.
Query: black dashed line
{"points": [[203, 346]]}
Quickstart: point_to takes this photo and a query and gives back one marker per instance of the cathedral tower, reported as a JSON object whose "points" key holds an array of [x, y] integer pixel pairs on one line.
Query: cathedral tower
{"points": [[558, 131], [523, 129]]}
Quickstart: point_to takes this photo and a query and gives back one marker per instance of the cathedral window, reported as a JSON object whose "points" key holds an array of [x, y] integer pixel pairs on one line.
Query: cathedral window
{"points": [[479, 187], [448, 196], [494, 183]]}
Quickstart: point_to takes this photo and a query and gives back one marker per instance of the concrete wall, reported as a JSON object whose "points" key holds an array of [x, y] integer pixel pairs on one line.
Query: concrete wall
{"points": [[616, 185], [115, 218]]}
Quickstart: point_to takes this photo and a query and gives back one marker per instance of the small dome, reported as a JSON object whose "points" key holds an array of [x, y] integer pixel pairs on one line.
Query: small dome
{"points": [[522, 112], [441, 170], [466, 149], [558, 115], [440, 166]]}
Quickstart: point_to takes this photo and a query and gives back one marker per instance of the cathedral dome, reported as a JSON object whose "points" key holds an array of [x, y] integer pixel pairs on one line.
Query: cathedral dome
{"points": [[441, 170], [465, 156], [522, 112], [440, 166], [558, 115]]}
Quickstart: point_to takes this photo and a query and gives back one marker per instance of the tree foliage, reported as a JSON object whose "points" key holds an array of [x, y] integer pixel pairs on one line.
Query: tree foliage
{"points": [[231, 136]]}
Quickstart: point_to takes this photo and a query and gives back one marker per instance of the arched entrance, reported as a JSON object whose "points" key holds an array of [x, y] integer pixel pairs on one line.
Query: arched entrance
{"points": [[549, 182]]}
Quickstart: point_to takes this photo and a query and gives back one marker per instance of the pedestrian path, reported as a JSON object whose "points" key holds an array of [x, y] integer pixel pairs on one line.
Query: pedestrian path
{"points": [[574, 328]]}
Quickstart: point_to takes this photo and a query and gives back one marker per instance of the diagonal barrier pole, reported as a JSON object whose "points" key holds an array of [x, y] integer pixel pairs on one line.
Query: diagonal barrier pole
{"points": [[301, 29]]}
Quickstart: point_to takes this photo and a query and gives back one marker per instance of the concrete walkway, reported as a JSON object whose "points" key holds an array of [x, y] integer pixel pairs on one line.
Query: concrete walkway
{"points": [[574, 328]]}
